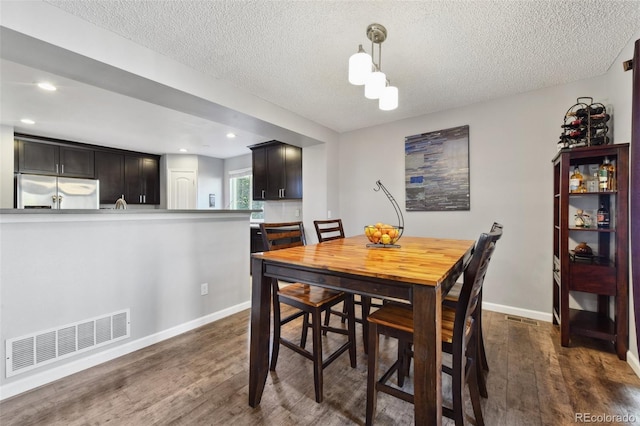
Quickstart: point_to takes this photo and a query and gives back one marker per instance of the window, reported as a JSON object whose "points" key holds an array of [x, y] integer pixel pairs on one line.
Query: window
{"points": [[241, 184]]}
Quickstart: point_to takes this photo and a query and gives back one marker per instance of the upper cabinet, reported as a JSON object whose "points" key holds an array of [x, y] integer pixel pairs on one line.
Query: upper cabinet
{"points": [[54, 159], [277, 171], [141, 180], [136, 176]]}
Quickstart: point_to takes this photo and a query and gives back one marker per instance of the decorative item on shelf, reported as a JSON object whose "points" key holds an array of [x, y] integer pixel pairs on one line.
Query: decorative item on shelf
{"points": [[582, 220], [583, 249], [576, 181], [382, 235], [585, 124]]}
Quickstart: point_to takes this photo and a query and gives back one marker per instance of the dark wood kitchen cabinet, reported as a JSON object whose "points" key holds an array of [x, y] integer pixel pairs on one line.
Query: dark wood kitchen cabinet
{"points": [[110, 173], [54, 159], [277, 171], [141, 180]]}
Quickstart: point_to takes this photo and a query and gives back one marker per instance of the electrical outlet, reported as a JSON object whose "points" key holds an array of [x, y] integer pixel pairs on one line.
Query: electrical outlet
{"points": [[204, 289], [328, 214]]}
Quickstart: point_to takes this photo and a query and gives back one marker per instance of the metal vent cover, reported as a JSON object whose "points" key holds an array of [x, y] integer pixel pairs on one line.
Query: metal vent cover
{"points": [[521, 320], [34, 350]]}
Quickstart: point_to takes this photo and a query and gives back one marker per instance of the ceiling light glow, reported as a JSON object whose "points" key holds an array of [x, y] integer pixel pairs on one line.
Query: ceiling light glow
{"points": [[27, 121], [182, 150], [45, 85], [231, 135]]}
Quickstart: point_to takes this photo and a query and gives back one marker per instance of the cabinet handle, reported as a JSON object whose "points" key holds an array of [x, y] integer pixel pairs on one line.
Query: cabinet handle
{"points": [[62, 169], [263, 193], [282, 192], [140, 198], [144, 199], [56, 168]]}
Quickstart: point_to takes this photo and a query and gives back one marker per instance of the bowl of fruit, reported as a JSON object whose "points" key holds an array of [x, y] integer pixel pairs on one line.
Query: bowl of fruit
{"points": [[382, 234]]}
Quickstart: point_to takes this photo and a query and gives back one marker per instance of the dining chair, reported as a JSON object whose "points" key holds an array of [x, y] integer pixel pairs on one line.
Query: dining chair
{"points": [[309, 301], [458, 338], [451, 300], [328, 230]]}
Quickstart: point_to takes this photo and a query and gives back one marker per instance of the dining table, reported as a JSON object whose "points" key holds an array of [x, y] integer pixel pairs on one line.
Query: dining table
{"points": [[420, 270]]}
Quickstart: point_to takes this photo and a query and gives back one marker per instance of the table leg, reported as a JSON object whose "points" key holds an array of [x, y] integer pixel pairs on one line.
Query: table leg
{"points": [[260, 316], [427, 353]]}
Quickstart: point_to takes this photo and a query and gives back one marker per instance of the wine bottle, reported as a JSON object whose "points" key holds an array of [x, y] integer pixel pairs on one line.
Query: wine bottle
{"points": [[575, 124], [602, 217], [600, 140], [595, 110], [576, 134], [599, 118], [603, 175]]}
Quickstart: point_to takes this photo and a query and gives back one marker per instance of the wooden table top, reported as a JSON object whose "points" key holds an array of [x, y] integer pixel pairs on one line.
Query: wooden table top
{"points": [[419, 260]]}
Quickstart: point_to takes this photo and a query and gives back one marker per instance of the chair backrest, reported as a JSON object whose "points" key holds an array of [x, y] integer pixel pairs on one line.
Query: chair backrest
{"points": [[276, 236], [328, 230], [473, 280]]}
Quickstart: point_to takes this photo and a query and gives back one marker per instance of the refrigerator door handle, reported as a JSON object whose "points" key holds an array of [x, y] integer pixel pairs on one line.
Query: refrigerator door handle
{"points": [[59, 201], [54, 198]]}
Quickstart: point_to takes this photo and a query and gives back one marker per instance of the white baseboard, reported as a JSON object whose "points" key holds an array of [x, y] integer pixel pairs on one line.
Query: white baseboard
{"points": [[633, 362], [51, 375], [526, 313]]}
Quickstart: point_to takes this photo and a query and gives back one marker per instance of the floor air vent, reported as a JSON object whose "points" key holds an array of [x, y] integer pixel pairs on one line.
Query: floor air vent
{"points": [[34, 350], [521, 320]]}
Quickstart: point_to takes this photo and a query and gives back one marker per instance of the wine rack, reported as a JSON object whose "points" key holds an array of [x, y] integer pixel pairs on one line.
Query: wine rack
{"points": [[585, 124]]}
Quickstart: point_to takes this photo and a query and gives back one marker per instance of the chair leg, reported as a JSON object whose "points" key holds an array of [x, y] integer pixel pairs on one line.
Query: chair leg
{"points": [[316, 326], [480, 378], [404, 361], [344, 312], [351, 329], [457, 387], [327, 318], [474, 393], [305, 329], [372, 371]]}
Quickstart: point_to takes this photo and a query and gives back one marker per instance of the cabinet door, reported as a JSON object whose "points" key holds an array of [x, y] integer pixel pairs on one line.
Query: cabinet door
{"points": [[132, 186], [275, 172], [293, 172], [76, 162], [110, 172], [150, 179], [259, 171], [41, 158]]}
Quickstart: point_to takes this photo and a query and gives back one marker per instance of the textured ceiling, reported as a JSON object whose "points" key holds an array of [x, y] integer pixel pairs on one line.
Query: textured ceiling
{"points": [[440, 54]]}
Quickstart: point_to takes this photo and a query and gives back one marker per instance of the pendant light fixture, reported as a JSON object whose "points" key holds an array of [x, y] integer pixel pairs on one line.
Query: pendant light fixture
{"points": [[364, 70]]}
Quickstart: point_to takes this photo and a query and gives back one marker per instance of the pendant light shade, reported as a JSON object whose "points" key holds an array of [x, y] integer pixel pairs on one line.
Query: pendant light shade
{"points": [[375, 85], [359, 67], [363, 69], [389, 98]]}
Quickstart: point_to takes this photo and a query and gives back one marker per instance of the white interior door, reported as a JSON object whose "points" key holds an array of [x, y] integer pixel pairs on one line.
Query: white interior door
{"points": [[182, 189]]}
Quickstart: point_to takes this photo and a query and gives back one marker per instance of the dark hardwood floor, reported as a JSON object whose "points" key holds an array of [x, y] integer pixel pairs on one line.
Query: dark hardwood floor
{"points": [[201, 378]]}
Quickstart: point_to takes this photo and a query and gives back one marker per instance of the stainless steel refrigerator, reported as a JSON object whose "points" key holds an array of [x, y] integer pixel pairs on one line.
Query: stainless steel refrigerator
{"points": [[50, 192]]}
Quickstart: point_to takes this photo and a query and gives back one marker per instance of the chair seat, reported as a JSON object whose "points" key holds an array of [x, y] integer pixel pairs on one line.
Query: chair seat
{"points": [[400, 317], [309, 295]]}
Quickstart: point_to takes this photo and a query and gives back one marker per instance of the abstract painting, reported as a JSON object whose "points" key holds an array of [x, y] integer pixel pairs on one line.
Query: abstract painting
{"points": [[437, 170]]}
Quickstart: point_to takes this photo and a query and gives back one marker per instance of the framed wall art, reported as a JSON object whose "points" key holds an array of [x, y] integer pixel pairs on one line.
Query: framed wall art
{"points": [[437, 170]]}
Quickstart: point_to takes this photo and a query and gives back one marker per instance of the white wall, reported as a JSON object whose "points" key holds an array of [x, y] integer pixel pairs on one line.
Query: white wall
{"points": [[58, 269], [511, 143], [210, 181]]}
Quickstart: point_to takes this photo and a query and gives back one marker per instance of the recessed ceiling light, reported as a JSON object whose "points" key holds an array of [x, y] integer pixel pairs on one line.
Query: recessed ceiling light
{"points": [[45, 85], [182, 150], [27, 121], [231, 135]]}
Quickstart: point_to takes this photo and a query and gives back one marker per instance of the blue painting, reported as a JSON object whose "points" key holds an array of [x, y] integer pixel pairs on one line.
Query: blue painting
{"points": [[437, 170]]}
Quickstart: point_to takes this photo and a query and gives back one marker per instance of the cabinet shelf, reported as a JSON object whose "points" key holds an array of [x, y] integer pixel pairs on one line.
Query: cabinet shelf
{"points": [[591, 324], [605, 230]]}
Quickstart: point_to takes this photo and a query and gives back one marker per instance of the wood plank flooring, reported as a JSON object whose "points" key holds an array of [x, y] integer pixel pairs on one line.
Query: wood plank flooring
{"points": [[201, 378]]}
